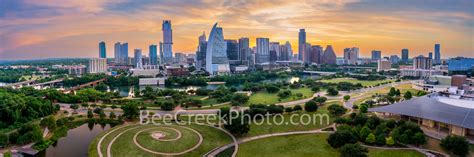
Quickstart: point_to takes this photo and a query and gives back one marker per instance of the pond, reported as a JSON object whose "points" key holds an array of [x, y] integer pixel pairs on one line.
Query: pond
{"points": [[76, 143]]}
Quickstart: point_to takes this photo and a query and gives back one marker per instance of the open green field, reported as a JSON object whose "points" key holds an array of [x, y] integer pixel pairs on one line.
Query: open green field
{"points": [[306, 145], [394, 153], [272, 98], [355, 81], [403, 89], [305, 124], [176, 140]]}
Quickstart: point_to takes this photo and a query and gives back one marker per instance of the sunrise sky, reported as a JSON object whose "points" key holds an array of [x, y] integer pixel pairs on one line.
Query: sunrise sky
{"points": [[73, 28]]}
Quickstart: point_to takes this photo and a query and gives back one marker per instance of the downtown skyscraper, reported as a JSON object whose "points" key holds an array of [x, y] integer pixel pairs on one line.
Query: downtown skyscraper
{"points": [[301, 44], [167, 44], [216, 54], [138, 59], [244, 49], [405, 55], [437, 55], [121, 53], [102, 50], [263, 50], [153, 54]]}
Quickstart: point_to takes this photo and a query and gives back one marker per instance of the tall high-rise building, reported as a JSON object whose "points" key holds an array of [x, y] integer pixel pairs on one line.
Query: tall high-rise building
{"points": [[437, 57], [121, 53], [244, 49], [376, 54], [117, 53], [138, 59], [162, 56], [422, 62], [201, 52], [97, 65], [216, 55], [102, 52], [289, 51], [351, 55], [430, 55], [405, 55], [153, 54], [316, 54], [232, 49], [394, 59], [301, 44], [329, 56], [275, 46], [167, 41], [263, 50]]}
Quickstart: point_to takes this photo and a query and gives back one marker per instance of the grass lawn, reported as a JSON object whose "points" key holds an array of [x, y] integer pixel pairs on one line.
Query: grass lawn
{"points": [[306, 145], [403, 89], [272, 98], [394, 153], [355, 81], [124, 145], [287, 126], [295, 145]]}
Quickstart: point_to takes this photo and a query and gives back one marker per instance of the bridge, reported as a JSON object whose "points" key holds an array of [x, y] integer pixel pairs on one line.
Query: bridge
{"points": [[49, 83], [319, 72], [89, 84], [20, 84]]}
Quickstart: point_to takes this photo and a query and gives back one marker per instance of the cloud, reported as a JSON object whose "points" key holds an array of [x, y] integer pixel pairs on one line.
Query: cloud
{"points": [[32, 25]]}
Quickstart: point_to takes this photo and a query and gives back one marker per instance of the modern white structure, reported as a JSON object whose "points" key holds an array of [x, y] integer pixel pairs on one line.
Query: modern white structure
{"points": [[138, 59], [263, 50], [216, 52], [97, 65], [151, 81], [167, 45]]}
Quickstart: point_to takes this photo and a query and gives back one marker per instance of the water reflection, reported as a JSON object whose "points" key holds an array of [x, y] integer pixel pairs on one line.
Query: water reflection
{"points": [[76, 143]]}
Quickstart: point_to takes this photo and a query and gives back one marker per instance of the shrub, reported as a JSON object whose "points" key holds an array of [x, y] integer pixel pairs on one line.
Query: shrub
{"points": [[370, 139], [353, 150], [456, 144], [297, 108], [340, 138], [337, 109], [310, 106]]}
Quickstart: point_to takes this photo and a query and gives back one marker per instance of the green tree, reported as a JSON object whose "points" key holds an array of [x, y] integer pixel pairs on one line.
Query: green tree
{"points": [[167, 106], [3, 139], [389, 141], [272, 89], [337, 110], [49, 122], [112, 115], [347, 97], [364, 132], [237, 125], [320, 100], [332, 92], [130, 110], [297, 108], [353, 150], [380, 139], [370, 139], [363, 108], [89, 113], [315, 89], [407, 95], [455, 144], [310, 106], [241, 98], [74, 107], [340, 138], [419, 138]]}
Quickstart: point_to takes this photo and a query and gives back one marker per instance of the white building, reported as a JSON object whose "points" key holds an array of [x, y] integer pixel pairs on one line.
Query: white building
{"points": [[151, 81], [97, 65], [138, 59], [216, 52]]}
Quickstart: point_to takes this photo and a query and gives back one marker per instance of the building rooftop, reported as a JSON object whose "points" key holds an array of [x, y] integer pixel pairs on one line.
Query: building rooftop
{"points": [[459, 112]]}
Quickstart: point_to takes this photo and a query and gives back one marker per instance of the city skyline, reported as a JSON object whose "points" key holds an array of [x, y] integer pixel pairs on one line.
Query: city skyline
{"points": [[34, 29]]}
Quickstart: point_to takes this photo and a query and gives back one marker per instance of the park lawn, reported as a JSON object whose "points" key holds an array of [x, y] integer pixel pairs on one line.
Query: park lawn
{"points": [[394, 153], [355, 81], [197, 97], [294, 145], [306, 145], [124, 146], [287, 126], [272, 98], [402, 87]]}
